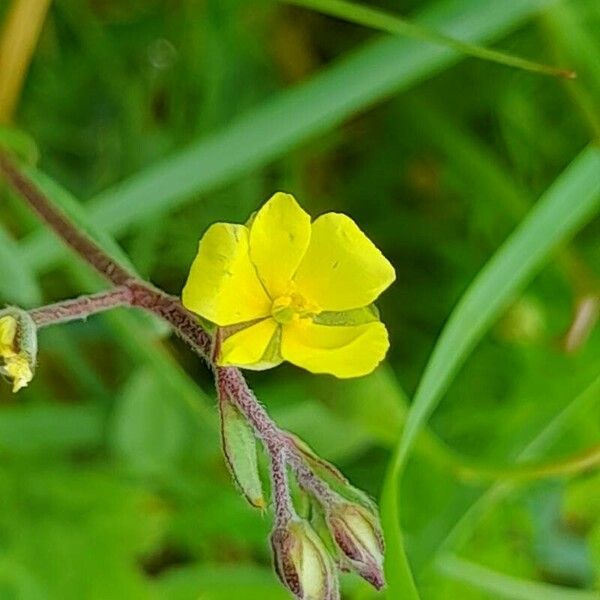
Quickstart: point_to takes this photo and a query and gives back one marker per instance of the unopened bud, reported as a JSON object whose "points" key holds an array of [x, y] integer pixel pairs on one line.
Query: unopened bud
{"points": [[18, 347], [303, 563], [357, 534]]}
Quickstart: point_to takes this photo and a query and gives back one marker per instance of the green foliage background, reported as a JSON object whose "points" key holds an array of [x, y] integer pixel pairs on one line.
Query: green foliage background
{"points": [[163, 117]]}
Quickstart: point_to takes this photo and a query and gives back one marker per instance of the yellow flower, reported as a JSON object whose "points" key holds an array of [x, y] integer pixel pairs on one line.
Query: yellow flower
{"points": [[17, 363], [292, 290]]}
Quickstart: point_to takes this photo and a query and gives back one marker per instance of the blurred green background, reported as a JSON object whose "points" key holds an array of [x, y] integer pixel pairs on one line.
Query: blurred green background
{"points": [[163, 117]]}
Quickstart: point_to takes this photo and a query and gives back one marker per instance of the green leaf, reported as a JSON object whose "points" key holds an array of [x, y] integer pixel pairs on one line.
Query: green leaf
{"points": [[383, 21], [352, 84], [567, 205], [239, 448]]}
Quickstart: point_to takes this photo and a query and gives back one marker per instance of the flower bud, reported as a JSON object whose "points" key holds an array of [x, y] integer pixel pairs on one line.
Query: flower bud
{"points": [[357, 534], [302, 562], [18, 347]]}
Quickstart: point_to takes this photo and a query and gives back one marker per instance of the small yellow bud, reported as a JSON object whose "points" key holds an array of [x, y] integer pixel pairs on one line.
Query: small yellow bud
{"points": [[18, 347], [303, 563]]}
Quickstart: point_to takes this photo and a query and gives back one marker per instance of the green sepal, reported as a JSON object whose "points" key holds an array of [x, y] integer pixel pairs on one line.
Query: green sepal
{"points": [[356, 316], [207, 325], [331, 475], [239, 448], [319, 524]]}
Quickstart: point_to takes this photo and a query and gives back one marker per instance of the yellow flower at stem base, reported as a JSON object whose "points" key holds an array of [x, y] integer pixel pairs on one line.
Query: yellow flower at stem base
{"points": [[17, 365], [293, 290]]}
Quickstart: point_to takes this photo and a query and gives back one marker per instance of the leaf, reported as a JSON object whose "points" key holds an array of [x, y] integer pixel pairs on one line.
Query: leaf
{"points": [[349, 86], [239, 448], [389, 23], [567, 205]]}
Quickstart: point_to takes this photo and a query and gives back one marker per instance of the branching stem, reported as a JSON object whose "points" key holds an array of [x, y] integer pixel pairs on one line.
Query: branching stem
{"points": [[131, 291], [80, 308]]}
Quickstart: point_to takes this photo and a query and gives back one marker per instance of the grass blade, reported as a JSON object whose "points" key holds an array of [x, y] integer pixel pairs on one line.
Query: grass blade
{"points": [[499, 585], [568, 204], [383, 21], [376, 71]]}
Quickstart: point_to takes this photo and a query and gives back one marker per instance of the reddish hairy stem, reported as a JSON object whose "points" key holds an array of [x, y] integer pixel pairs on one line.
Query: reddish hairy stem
{"points": [[60, 224], [284, 510], [80, 308]]}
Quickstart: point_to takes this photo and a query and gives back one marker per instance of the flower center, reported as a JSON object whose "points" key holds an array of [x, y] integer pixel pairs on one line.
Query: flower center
{"points": [[289, 307]]}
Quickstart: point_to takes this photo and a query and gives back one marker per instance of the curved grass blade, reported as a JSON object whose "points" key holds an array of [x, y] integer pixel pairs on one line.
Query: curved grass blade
{"points": [[355, 82], [567, 205], [383, 21]]}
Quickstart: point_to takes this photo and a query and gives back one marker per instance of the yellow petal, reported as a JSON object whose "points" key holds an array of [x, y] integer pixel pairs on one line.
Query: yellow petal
{"points": [[8, 331], [279, 237], [19, 371], [222, 285], [247, 347], [343, 351], [342, 269]]}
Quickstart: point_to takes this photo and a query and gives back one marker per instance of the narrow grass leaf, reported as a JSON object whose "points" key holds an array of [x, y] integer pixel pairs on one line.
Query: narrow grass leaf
{"points": [[498, 585], [383, 21], [567, 205]]}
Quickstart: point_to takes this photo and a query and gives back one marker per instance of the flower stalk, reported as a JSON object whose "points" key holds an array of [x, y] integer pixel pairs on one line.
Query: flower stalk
{"points": [[80, 308], [302, 561]]}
